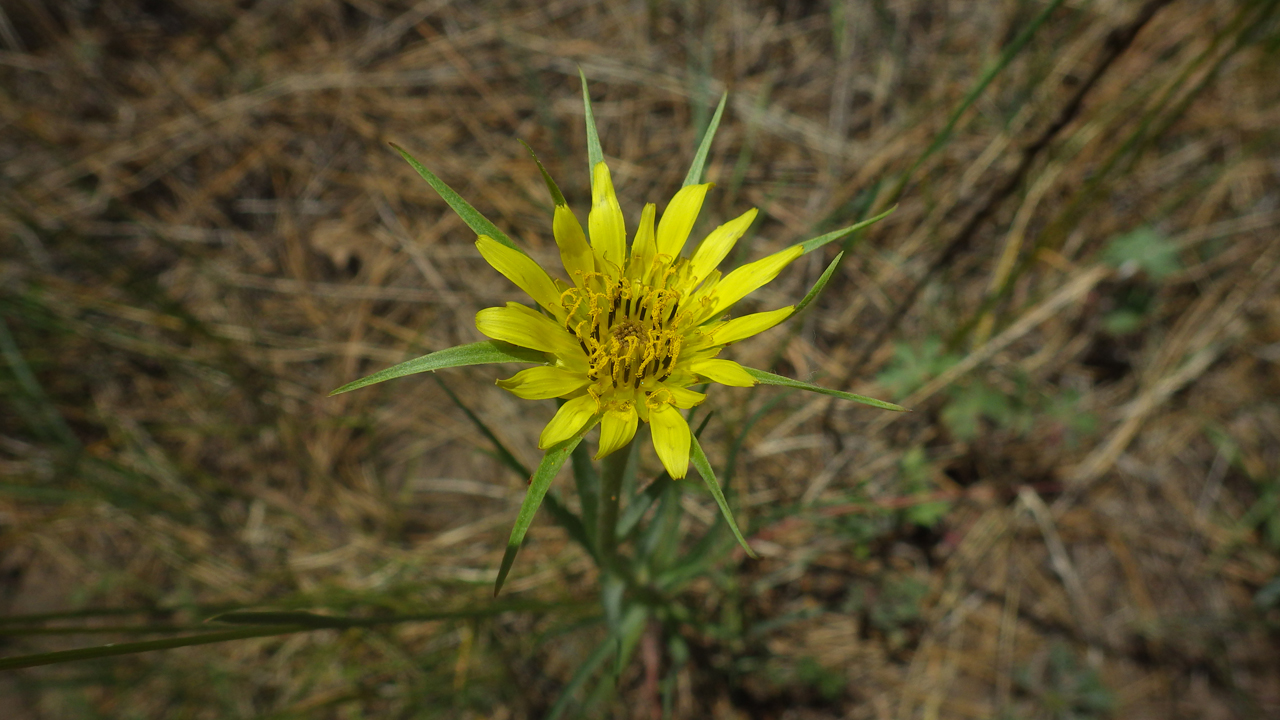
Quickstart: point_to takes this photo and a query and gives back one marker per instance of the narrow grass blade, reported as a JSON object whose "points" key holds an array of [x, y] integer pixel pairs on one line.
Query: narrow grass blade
{"points": [[102, 630], [314, 621], [700, 158], [640, 504], [54, 424], [624, 640], [551, 463], [263, 624], [818, 286], [556, 196], [735, 447], [811, 245], [1006, 56], [770, 379], [481, 353], [660, 540], [131, 648], [507, 457], [697, 560], [571, 523], [563, 516], [472, 217], [703, 466], [587, 481], [595, 155]]}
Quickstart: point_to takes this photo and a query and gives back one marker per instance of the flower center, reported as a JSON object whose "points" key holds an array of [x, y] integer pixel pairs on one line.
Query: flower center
{"points": [[628, 330]]}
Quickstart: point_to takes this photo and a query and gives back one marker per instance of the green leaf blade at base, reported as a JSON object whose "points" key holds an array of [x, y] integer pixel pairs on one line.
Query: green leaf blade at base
{"points": [[703, 466], [811, 245], [766, 378], [551, 463], [478, 223], [487, 352], [700, 158]]}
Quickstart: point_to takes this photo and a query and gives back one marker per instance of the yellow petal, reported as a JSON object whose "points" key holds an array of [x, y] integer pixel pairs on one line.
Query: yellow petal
{"points": [[568, 421], [575, 253], [718, 244], [522, 326], [540, 383], [678, 218], [748, 325], [523, 271], [737, 284], [684, 398], [725, 372], [617, 427], [608, 232], [671, 439], [643, 247]]}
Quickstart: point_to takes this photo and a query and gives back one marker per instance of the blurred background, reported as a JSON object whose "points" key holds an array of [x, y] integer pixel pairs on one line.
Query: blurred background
{"points": [[204, 232]]}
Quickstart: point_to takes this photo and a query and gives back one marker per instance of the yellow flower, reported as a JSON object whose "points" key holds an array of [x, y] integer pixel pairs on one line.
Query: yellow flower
{"points": [[635, 326]]}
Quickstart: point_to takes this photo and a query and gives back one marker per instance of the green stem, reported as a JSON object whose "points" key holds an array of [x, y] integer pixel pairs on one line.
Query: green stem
{"points": [[615, 466]]}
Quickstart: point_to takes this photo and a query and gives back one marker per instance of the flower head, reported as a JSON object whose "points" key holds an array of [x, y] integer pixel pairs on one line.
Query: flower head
{"points": [[636, 324]]}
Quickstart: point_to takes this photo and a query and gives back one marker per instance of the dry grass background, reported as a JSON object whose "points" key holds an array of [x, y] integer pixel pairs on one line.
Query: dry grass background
{"points": [[204, 232]]}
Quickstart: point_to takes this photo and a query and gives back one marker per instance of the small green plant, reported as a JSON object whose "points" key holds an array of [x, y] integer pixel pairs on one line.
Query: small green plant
{"points": [[917, 475], [1144, 249], [973, 403], [914, 364], [1147, 257], [891, 603], [1063, 688]]}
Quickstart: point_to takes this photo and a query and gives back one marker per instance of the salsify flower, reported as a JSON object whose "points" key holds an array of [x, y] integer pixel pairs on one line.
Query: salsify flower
{"points": [[633, 327], [637, 324]]}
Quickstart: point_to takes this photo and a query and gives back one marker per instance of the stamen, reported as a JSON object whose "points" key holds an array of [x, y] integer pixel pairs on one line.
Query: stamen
{"points": [[630, 331]]}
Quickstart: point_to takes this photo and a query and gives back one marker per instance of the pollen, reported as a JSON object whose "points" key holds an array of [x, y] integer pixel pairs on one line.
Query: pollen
{"points": [[630, 331]]}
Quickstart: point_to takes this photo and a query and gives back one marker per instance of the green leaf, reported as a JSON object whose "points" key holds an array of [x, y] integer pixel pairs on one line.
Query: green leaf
{"points": [[700, 158], [811, 245], [551, 463], [472, 217], [818, 286], [765, 378], [703, 467], [595, 155], [481, 353], [556, 196]]}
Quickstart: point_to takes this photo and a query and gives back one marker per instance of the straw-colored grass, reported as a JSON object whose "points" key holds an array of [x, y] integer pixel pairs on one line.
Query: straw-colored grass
{"points": [[204, 232]]}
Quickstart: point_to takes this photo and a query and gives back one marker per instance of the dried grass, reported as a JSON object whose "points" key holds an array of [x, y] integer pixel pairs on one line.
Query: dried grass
{"points": [[204, 232]]}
